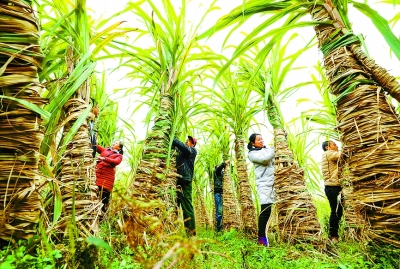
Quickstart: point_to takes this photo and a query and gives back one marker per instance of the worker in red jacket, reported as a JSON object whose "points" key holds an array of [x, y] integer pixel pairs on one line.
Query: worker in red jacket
{"points": [[105, 170]]}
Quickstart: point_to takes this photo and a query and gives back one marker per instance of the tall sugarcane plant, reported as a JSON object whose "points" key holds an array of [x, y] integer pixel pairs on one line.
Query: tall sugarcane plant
{"points": [[163, 71], [238, 107], [21, 134], [105, 125], [201, 184], [68, 67], [220, 140], [209, 156], [367, 122]]}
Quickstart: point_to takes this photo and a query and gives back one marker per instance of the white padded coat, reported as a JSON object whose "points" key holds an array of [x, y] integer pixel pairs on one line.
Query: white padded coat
{"points": [[263, 160]]}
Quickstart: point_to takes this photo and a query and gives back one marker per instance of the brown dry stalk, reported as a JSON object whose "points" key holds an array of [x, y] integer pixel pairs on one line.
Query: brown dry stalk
{"points": [[248, 210], [380, 74], [77, 176], [230, 205], [202, 217], [151, 197], [297, 214], [20, 134], [370, 133]]}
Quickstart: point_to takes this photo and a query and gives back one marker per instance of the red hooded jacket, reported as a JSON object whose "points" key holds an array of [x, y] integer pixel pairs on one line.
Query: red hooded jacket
{"points": [[105, 170]]}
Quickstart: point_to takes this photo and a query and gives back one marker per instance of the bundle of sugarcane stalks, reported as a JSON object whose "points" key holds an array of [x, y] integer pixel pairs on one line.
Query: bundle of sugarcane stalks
{"points": [[297, 214], [151, 204], [230, 206], [77, 175], [355, 220], [200, 210], [152, 196], [369, 129], [371, 134], [20, 134]]}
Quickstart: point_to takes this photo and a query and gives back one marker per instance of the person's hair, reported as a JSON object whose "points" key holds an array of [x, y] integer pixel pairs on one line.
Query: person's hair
{"points": [[325, 144], [121, 151], [252, 139]]}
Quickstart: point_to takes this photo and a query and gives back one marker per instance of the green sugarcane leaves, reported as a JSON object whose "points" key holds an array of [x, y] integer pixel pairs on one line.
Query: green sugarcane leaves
{"points": [[382, 25]]}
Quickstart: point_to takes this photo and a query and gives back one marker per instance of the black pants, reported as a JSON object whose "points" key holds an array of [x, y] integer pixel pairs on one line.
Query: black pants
{"points": [[104, 196], [332, 193], [184, 193], [263, 219]]}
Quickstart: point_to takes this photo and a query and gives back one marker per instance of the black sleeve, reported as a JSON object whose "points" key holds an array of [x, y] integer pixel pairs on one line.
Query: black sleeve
{"points": [[218, 170], [182, 147]]}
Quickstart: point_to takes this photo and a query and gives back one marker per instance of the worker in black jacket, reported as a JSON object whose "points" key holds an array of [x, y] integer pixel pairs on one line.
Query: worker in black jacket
{"points": [[218, 180], [185, 168]]}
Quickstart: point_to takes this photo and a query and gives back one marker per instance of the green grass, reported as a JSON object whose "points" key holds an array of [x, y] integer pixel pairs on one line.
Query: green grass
{"points": [[207, 250], [232, 250], [244, 253]]}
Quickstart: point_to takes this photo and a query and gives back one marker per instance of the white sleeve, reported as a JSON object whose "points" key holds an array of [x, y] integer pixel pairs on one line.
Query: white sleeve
{"points": [[263, 156]]}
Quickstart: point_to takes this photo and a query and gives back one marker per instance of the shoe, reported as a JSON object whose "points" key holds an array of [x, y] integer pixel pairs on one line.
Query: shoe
{"points": [[263, 241]]}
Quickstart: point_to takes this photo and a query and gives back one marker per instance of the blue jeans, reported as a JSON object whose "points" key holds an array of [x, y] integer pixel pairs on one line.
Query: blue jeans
{"points": [[218, 210]]}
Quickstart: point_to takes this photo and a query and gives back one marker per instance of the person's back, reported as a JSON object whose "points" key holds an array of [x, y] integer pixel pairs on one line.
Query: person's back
{"points": [[218, 177], [329, 167], [330, 170], [218, 189], [185, 162], [185, 168]]}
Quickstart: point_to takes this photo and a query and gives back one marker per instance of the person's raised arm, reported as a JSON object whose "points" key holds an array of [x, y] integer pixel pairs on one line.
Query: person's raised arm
{"points": [[186, 150], [219, 168], [99, 149], [262, 156], [114, 159]]}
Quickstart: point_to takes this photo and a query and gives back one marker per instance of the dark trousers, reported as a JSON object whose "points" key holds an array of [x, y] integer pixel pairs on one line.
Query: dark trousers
{"points": [[184, 193], [218, 210], [263, 219], [332, 193], [104, 196]]}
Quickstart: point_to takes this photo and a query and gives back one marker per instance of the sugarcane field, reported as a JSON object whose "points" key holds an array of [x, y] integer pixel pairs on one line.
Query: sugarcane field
{"points": [[158, 134]]}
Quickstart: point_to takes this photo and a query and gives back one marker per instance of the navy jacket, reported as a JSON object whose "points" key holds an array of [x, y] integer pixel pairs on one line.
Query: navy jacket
{"points": [[185, 162], [218, 176]]}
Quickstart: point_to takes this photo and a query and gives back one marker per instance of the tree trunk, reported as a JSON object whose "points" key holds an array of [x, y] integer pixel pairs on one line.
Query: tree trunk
{"points": [[152, 204], [202, 217], [20, 133], [297, 214], [77, 176], [248, 210], [370, 133], [231, 211]]}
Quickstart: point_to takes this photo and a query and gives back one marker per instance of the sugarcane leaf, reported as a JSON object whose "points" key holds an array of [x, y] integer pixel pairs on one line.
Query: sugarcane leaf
{"points": [[80, 74], [43, 113], [57, 199], [75, 127], [242, 13], [49, 135], [105, 31], [382, 25], [105, 41], [98, 243]]}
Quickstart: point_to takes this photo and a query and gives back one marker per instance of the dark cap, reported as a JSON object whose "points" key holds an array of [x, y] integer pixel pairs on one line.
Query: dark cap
{"points": [[194, 141]]}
